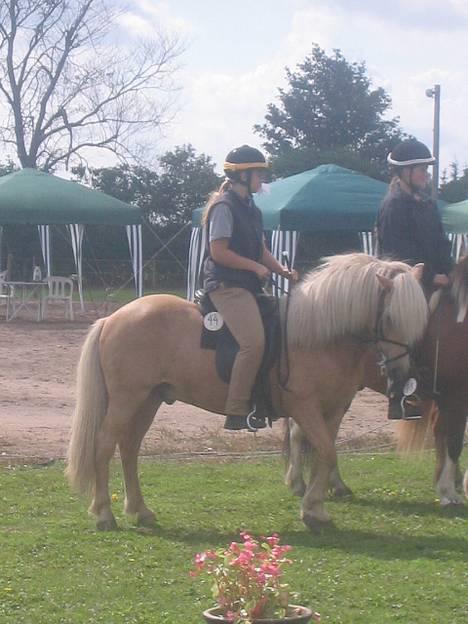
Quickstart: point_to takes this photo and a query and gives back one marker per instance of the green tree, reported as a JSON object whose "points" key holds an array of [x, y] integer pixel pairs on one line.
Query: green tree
{"points": [[7, 167], [181, 182], [329, 108], [455, 187]]}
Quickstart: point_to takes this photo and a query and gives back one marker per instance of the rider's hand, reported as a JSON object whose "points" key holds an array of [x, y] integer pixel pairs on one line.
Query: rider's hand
{"points": [[262, 272], [440, 280], [290, 275]]}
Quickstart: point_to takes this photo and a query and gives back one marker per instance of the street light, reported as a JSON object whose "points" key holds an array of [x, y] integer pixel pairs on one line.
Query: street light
{"points": [[435, 93]]}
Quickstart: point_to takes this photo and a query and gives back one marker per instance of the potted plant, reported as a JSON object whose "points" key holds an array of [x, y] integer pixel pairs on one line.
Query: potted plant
{"points": [[247, 583]]}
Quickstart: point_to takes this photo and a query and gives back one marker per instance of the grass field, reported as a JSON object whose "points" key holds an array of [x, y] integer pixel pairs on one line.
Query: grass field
{"points": [[393, 555]]}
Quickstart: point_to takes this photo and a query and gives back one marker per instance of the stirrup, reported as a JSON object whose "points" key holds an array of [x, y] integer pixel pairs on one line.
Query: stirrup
{"points": [[255, 422]]}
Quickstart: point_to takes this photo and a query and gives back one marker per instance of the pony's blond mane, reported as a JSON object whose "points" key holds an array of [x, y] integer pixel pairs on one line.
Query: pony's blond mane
{"points": [[341, 297]]}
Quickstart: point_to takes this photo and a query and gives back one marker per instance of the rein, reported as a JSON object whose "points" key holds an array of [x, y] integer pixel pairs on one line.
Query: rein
{"points": [[379, 336]]}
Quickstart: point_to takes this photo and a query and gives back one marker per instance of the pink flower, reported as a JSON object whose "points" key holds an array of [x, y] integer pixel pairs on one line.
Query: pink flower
{"points": [[271, 568], [200, 559], [245, 577], [272, 540]]}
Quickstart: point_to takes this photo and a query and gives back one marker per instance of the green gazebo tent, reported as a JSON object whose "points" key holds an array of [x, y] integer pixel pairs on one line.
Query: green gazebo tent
{"points": [[33, 197]]}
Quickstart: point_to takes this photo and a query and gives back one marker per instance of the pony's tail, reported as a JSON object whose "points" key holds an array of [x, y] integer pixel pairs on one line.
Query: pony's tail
{"points": [[305, 444], [416, 435], [91, 405]]}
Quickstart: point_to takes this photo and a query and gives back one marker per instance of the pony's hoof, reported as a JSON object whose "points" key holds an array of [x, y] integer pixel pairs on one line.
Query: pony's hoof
{"points": [[317, 525], [341, 493], [107, 525], [147, 521], [451, 501]]}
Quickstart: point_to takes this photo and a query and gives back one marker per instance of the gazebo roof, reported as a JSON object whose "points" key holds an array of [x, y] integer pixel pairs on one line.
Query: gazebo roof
{"points": [[326, 198], [33, 197], [455, 217]]}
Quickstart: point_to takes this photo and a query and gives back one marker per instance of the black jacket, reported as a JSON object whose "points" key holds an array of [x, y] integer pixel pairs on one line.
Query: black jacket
{"points": [[411, 231], [246, 241]]}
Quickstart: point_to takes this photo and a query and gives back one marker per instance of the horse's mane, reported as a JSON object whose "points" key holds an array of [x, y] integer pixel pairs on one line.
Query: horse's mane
{"points": [[459, 289], [341, 298]]}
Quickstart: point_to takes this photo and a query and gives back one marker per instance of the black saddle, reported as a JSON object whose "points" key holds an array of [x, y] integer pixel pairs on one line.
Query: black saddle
{"points": [[217, 336]]}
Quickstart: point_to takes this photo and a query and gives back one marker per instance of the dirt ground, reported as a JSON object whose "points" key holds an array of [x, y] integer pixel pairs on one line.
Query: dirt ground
{"points": [[37, 370]]}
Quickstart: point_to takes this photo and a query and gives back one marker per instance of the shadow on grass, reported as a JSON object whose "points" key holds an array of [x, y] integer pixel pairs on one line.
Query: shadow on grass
{"points": [[384, 546], [410, 508]]}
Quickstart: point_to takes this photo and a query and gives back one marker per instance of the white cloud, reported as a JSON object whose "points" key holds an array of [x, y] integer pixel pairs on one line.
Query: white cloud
{"points": [[220, 110], [148, 17]]}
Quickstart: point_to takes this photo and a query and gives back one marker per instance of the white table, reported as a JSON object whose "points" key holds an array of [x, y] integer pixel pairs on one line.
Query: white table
{"points": [[25, 296]]}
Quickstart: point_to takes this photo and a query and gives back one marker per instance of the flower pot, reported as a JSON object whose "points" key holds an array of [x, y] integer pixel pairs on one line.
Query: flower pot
{"points": [[300, 615]]}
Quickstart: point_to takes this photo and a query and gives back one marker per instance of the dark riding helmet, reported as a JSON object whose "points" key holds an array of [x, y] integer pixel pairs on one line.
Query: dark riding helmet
{"points": [[243, 158], [410, 153]]}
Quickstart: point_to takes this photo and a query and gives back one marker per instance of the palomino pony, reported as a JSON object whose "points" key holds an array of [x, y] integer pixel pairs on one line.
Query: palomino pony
{"points": [[148, 352], [443, 355]]}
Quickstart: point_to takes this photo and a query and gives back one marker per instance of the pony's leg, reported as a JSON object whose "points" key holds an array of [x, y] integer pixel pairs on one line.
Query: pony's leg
{"points": [[310, 419], [449, 432], [294, 478], [129, 446], [338, 487], [119, 411]]}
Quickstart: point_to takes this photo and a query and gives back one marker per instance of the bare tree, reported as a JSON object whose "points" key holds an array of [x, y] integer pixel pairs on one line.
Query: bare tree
{"points": [[66, 86]]}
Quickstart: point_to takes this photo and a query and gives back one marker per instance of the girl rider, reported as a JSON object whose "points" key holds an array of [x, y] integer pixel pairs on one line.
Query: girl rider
{"points": [[237, 265]]}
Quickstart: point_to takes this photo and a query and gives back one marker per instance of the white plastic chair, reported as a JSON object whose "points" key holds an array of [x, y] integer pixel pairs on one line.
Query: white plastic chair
{"points": [[60, 291]]}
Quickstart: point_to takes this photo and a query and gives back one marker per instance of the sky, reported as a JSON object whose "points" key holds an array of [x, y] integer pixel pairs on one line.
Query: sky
{"points": [[236, 54]]}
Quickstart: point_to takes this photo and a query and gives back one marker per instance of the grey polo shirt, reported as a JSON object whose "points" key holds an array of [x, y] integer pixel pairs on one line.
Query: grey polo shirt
{"points": [[221, 222]]}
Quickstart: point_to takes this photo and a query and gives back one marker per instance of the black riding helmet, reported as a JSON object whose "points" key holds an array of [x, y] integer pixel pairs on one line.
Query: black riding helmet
{"points": [[243, 158], [410, 153]]}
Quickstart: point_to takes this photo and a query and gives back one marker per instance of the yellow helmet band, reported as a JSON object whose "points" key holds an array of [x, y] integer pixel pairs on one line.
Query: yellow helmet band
{"points": [[244, 166]]}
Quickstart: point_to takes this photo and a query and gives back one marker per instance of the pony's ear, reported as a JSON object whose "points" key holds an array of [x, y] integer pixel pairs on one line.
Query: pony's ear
{"points": [[418, 271], [385, 282]]}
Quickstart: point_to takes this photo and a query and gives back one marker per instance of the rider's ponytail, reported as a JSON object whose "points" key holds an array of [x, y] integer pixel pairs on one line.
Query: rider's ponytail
{"points": [[226, 185]]}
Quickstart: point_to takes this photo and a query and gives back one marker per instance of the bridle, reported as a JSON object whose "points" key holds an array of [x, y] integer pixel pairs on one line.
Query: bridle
{"points": [[379, 337]]}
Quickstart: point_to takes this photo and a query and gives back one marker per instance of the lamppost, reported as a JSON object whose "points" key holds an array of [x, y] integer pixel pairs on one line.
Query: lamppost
{"points": [[435, 93]]}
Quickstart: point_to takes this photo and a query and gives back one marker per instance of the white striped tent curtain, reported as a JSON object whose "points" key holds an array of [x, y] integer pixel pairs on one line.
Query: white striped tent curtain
{"points": [[136, 253], [76, 234], [44, 235], [195, 260], [367, 243], [459, 245], [283, 242]]}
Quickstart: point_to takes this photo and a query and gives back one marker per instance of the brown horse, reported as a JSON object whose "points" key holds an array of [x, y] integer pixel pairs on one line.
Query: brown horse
{"points": [[149, 351], [443, 355]]}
